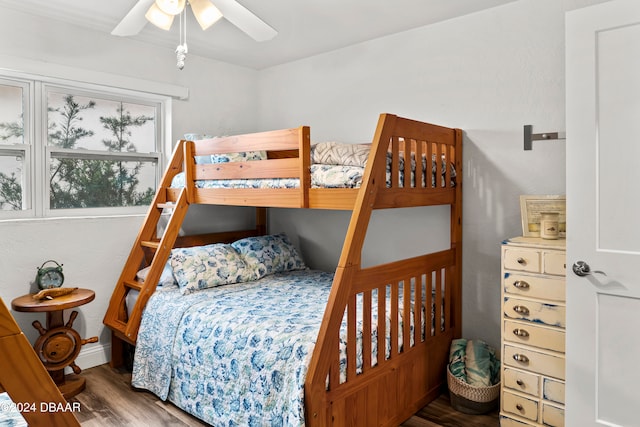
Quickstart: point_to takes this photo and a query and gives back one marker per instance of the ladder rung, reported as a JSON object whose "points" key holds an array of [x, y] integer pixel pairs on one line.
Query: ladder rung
{"points": [[167, 205], [133, 284], [119, 328], [118, 325], [150, 244]]}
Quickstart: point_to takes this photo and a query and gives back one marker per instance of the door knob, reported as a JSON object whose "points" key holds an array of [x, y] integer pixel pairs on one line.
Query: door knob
{"points": [[581, 268]]}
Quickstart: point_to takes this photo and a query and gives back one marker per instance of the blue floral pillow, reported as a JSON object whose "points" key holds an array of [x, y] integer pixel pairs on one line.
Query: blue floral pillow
{"points": [[266, 255], [203, 267]]}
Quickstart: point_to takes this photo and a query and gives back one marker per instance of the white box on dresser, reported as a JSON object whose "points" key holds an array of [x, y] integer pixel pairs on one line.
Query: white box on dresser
{"points": [[533, 332]]}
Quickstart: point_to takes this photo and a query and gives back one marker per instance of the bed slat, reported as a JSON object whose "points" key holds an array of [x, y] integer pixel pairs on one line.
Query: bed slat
{"points": [[408, 160], [422, 172], [351, 337], [382, 324], [275, 168], [276, 140], [406, 313], [366, 330]]}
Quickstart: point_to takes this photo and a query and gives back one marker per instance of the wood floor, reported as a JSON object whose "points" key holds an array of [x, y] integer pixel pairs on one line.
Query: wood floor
{"points": [[109, 401]]}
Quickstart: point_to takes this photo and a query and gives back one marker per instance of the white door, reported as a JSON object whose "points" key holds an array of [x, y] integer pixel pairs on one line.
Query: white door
{"points": [[603, 215]]}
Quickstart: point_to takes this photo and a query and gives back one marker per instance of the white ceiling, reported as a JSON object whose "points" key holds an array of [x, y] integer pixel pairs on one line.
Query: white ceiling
{"points": [[305, 27]]}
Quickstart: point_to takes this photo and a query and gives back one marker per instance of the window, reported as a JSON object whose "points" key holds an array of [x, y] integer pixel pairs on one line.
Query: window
{"points": [[75, 149], [14, 145]]}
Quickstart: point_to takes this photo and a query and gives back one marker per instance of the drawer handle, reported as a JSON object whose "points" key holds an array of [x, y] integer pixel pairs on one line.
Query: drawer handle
{"points": [[521, 284], [521, 309], [520, 358], [520, 333], [519, 407], [521, 261], [520, 383]]}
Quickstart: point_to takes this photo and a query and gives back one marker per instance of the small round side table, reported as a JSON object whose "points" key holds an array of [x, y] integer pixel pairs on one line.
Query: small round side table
{"points": [[59, 344]]}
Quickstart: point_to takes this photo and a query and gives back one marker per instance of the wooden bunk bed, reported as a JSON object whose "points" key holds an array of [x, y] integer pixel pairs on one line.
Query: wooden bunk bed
{"points": [[379, 390]]}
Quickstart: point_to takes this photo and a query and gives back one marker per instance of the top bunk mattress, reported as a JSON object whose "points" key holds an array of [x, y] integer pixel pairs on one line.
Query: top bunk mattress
{"points": [[322, 176], [333, 165]]}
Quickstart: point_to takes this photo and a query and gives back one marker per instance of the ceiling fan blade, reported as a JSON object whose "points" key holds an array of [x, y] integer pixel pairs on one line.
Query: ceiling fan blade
{"points": [[134, 21], [244, 19]]}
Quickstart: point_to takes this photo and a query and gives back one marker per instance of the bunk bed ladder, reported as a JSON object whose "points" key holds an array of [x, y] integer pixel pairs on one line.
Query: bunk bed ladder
{"points": [[148, 250]]}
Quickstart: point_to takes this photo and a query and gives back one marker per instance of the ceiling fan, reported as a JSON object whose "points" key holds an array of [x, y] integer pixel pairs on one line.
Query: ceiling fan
{"points": [[207, 12]]}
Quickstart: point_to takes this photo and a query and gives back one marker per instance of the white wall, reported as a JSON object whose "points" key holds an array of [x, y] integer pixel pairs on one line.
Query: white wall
{"points": [[93, 250], [489, 74]]}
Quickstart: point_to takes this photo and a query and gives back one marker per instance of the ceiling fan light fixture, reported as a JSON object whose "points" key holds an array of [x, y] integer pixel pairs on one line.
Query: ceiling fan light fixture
{"points": [[158, 18], [205, 12], [171, 7]]}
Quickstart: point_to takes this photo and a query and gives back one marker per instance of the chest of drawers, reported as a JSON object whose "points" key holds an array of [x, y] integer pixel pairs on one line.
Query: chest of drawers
{"points": [[533, 332]]}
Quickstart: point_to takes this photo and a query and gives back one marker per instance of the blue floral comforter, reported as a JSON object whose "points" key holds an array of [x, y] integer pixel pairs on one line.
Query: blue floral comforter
{"points": [[237, 355], [204, 352]]}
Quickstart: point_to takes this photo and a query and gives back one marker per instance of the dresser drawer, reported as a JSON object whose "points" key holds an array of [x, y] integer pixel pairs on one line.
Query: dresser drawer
{"points": [[522, 381], [522, 260], [532, 311], [552, 415], [554, 263], [518, 405], [535, 286], [533, 361], [553, 390], [510, 422], [531, 334]]}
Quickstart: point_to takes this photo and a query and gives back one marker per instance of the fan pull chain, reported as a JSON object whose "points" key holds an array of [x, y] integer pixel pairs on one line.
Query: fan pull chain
{"points": [[181, 50]]}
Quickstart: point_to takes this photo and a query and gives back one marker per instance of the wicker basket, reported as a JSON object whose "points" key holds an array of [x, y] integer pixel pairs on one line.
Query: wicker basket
{"points": [[470, 399]]}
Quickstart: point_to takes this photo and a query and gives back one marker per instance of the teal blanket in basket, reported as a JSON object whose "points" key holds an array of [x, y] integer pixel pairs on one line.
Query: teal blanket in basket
{"points": [[474, 362], [457, 354]]}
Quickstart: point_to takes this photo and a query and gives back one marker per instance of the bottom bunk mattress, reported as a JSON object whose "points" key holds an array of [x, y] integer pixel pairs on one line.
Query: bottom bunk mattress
{"points": [[237, 355]]}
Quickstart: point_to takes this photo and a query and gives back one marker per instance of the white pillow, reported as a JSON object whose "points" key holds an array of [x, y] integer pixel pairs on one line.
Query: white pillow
{"points": [[166, 277], [340, 153]]}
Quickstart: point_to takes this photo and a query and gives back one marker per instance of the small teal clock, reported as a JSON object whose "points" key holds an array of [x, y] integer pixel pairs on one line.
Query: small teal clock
{"points": [[49, 277]]}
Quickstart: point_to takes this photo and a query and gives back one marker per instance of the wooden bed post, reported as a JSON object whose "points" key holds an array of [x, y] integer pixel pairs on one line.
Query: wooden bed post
{"points": [[189, 165], [304, 152], [261, 221]]}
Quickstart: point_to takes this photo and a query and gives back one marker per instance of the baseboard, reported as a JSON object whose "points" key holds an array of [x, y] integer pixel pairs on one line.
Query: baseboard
{"points": [[93, 355]]}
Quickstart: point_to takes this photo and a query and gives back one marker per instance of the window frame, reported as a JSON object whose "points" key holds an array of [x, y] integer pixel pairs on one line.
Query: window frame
{"points": [[38, 153], [26, 148]]}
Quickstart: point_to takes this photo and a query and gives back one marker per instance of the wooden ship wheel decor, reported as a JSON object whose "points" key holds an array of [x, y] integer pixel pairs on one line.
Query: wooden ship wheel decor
{"points": [[59, 347]]}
